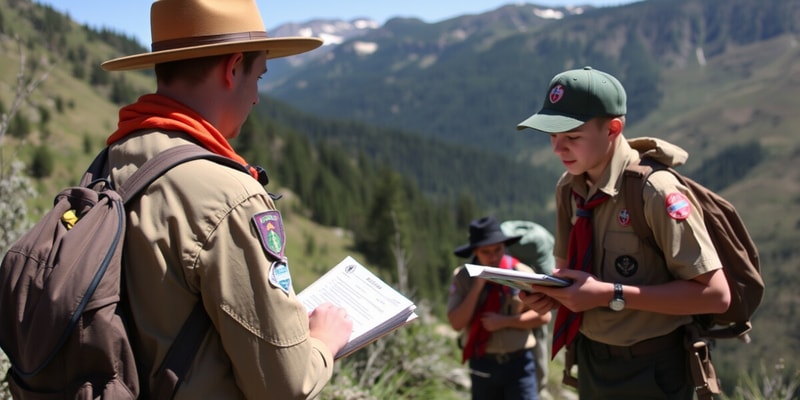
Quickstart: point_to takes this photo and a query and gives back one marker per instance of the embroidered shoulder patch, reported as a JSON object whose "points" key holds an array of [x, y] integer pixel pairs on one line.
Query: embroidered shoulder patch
{"points": [[270, 229], [678, 206]]}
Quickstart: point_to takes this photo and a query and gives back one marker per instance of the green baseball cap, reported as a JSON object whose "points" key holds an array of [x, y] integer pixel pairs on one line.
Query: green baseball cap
{"points": [[576, 96]]}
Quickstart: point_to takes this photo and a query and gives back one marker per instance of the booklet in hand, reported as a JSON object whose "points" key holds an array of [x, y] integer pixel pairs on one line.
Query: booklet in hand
{"points": [[375, 307], [515, 279]]}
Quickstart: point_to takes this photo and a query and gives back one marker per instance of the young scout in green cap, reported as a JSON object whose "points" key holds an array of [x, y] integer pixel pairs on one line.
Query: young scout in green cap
{"points": [[204, 232], [625, 311]]}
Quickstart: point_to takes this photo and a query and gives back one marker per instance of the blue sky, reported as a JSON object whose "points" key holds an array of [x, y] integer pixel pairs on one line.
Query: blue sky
{"points": [[132, 17]]}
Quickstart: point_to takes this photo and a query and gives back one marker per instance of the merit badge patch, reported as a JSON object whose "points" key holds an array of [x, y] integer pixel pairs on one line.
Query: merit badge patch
{"points": [[270, 228], [556, 93], [626, 266], [678, 206], [624, 217], [279, 275]]}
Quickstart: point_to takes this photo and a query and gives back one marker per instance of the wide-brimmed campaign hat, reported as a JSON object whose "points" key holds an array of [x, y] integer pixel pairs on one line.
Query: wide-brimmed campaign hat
{"points": [[484, 232], [185, 29]]}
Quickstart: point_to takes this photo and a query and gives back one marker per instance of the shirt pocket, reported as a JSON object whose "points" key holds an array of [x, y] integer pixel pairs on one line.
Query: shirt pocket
{"points": [[622, 257]]}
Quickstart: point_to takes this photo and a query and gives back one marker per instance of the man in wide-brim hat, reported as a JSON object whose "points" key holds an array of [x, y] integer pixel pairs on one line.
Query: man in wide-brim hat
{"points": [[496, 329], [209, 233]]}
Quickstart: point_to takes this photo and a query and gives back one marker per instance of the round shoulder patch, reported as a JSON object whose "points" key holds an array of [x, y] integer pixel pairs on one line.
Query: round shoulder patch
{"points": [[678, 206]]}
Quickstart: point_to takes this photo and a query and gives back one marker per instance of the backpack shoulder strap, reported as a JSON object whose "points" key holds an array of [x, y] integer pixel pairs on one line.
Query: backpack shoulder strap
{"points": [[636, 175], [183, 349], [166, 160], [181, 353]]}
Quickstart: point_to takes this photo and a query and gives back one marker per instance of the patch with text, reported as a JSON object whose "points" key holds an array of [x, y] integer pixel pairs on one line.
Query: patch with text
{"points": [[269, 225]]}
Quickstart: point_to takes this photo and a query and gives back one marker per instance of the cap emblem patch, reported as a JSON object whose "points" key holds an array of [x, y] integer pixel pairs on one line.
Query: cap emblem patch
{"points": [[556, 94]]}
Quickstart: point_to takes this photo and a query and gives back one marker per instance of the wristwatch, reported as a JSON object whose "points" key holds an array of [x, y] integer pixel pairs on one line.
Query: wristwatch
{"points": [[617, 303]]}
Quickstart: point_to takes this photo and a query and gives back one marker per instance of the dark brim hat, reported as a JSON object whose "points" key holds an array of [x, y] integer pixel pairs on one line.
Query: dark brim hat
{"points": [[186, 29], [576, 96], [484, 232]]}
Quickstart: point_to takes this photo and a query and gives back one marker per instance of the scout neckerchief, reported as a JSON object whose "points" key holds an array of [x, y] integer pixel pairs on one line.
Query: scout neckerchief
{"points": [[478, 336], [153, 111], [579, 252]]}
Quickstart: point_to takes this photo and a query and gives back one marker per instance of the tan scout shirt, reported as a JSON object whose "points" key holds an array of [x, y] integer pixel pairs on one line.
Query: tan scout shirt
{"points": [[504, 340], [620, 256], [190, 236]]}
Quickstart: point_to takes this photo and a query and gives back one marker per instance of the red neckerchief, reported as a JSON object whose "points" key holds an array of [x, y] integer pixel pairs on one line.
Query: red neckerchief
{"points": [[478, 336], [153, 111], [579, 256]]}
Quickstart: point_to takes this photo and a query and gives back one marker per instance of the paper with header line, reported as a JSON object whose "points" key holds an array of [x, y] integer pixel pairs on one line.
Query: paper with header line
{"points": [[374, 307], [513, 278]]}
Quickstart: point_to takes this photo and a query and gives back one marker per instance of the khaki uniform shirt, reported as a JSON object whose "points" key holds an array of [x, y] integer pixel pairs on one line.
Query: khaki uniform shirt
{"points": [[502, 341], [620, 256], [190, 236]]}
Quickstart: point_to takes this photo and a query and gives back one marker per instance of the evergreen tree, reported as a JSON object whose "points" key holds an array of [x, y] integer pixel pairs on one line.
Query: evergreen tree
{"points": [[42, 164], [385, 218]]}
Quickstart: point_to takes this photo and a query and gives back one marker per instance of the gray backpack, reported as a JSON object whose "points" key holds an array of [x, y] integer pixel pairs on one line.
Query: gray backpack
{"points": [[534, 249], [62, 306]]}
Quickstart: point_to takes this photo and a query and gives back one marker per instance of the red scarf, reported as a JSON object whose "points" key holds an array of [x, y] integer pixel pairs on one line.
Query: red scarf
{"points": [[153, 111], [580, 257], [478, 336]]}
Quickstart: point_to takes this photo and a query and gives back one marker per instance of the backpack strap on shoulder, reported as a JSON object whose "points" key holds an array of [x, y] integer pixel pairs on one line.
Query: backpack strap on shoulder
{"points": [[636, 175], [98, 171], [166, 160], [181, 353]]}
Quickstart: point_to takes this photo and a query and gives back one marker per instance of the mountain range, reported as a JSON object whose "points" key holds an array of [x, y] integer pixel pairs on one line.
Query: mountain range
{"points": [[472, 78]]}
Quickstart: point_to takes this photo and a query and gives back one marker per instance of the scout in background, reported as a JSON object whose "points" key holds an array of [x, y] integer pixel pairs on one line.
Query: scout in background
{"points": [[496, 327]]}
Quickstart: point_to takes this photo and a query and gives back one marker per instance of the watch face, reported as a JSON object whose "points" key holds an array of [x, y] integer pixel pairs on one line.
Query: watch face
{"points": [[617, 304]]}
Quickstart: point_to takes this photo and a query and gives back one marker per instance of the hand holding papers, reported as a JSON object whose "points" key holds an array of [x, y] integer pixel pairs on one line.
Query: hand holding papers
{"points": [[375, 307], [513, 278]]}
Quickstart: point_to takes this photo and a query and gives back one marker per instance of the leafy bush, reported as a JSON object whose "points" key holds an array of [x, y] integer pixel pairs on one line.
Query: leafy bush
{"points": [[15, 190], [4, 366], [418, 361], [42, 164], [779, 384]]}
